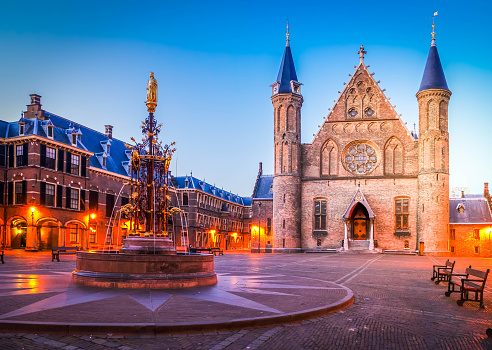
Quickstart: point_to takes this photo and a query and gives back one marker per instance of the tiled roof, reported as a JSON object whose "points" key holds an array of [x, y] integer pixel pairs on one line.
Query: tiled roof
{"points": [[88, 140], [474, 211], [183, 182], [287, 72], [264, 188], [433, 77]]}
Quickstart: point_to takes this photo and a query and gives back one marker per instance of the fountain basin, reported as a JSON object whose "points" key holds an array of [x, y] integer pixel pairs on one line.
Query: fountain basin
{"points": [[155, 271]]}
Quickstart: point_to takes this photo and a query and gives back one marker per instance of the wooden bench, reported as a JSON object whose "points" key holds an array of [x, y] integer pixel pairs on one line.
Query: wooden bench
{"points": [[1, 257], [472, 281], [442, 272], [216, 251], [199, 250], [57, 251]]}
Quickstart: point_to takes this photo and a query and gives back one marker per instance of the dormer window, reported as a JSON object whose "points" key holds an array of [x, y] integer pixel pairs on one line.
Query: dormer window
{"points": [[50, 131], [187, 183], [296, 87], [21, 129], [104, 162], [74, 139], [461, 208], [108, 148]]}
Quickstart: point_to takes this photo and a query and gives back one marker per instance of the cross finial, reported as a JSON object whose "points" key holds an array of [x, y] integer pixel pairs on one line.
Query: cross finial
{"points": [[287, 35], [361, 53], [433, 31]]}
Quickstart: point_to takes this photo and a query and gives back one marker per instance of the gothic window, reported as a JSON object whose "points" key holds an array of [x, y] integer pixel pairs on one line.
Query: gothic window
{"points": [[352, 113], [433, 115], [393, 157], [329, 158], [401, 214], [360, 158], [269, 226], [320, 214], [290, 121]]}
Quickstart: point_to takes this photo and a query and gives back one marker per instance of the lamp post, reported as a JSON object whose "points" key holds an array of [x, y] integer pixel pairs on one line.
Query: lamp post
{"points": [[38, 234], [259, 227]]}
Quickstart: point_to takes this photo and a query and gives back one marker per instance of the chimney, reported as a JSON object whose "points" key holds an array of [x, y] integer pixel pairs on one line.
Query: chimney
{"points": [[109, 131], [462, 194], [34, 109], [260, 170], [486, 193]]}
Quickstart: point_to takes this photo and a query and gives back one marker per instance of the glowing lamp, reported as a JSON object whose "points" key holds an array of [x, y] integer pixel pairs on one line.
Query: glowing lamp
{"points": [[93, 216], [33, 209]]}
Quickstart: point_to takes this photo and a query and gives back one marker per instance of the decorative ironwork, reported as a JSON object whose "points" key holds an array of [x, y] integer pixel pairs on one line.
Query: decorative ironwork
{"points": [[149, 208]]}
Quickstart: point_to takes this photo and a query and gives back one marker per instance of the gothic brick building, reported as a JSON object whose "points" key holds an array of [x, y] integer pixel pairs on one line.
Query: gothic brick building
{"points": [[366, 180]]}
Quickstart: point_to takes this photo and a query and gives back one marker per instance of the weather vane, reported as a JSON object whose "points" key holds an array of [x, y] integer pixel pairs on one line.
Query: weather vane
{"points": [[433, 27]]}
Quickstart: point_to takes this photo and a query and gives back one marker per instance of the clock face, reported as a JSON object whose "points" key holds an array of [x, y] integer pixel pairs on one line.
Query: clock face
{"points": [[275, 89]]}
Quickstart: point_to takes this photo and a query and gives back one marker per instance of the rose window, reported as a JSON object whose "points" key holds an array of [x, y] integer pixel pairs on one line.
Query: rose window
{"points": [[360, 158]]}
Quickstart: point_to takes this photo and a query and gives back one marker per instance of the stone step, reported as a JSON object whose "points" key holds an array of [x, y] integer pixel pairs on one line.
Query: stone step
{"points": [[320, 250], [400, 252]]}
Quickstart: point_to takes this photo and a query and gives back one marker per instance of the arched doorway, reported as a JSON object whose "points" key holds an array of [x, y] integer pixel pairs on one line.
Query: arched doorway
{"points": [[49, 233], [18, 233], [359, 220]]}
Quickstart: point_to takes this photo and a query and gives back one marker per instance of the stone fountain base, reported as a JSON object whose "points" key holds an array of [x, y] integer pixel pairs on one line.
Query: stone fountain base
{"points": [[140, 267]]}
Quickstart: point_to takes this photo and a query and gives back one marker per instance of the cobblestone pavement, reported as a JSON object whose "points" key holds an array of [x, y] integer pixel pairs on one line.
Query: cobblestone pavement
{"points": [[396, 306]]}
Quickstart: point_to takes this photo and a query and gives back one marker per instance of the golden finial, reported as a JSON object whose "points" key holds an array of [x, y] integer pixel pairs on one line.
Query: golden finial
{"points": [[287, 35], [433, 31], [151, 94]]}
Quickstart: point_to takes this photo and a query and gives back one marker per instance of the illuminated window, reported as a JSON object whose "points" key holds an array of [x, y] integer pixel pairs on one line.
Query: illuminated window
{"points": [[320, 215], [92, 235], [476, 233], [401, 214], [74, 233]]}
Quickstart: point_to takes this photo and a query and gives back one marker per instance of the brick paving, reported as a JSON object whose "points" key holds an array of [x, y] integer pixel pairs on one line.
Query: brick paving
{"points": [[396, 306]]}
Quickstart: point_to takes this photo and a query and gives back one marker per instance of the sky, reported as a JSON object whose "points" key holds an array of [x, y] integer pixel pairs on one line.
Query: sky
{"points": [[215, 61]]}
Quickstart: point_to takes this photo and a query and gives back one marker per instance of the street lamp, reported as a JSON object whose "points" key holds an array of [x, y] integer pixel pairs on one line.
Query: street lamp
{"points": [[259, 227], [38, 234]]}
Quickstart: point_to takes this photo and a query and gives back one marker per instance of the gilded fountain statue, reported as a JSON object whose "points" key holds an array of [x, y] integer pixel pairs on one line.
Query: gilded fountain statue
{"points": [[148, 258]]}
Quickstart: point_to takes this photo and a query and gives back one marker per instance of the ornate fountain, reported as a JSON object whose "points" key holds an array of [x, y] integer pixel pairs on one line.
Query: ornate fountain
{"points": [[148, 258]]}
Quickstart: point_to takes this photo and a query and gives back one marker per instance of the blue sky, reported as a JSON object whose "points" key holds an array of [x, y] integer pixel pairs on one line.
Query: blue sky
{"points": [[214, 62]]}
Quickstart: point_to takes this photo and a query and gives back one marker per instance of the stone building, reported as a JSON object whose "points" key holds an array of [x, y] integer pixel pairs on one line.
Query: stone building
{"points": [[366, 180]]}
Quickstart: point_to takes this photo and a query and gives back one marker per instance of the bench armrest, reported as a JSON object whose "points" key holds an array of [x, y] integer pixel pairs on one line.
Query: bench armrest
{"points": [[459, 274], [472, 280]]}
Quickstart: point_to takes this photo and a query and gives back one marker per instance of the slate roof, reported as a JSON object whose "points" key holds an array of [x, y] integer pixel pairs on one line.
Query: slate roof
{"points": [[182, 182], [287, 72], [433, 77], [476, 211], [88, 140], [264, 187]]}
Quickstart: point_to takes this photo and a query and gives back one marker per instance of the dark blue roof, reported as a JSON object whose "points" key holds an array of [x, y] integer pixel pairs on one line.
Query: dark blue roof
{"points": [[264, 189], [182, 182], [433, 77], [88, 140], [287, 72], [476, 211]]}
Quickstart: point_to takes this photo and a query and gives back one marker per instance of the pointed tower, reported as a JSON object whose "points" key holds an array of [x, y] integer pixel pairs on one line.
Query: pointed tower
{"points": [[287, 102], [433, 168]]}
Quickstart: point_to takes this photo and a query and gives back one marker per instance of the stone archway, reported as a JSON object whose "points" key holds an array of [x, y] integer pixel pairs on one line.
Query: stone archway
{"points": [[49, 233], [18, 233], [359, 223]]}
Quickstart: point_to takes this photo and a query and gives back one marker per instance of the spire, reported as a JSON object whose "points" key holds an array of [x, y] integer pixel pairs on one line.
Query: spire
{"points": [[361, 53], [287, 71], [287, 43], [433, 77]]}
